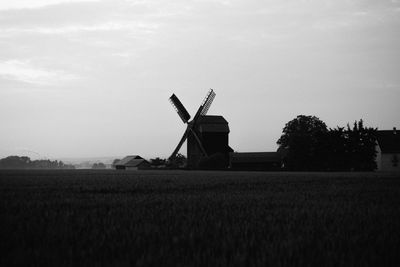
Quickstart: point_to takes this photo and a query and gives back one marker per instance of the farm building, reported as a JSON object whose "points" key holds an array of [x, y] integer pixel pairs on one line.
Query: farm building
{"points": [[256, 161], [388, 150], [132, 163]]}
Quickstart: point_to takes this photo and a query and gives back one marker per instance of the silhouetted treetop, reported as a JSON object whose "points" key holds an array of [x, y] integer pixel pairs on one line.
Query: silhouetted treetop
{"points": [[309, 145], [158, 162], [301, 139]]}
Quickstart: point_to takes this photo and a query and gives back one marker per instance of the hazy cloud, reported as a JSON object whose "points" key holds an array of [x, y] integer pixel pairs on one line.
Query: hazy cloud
{"points": [[110, 26], [25, 72], [23, 4]]}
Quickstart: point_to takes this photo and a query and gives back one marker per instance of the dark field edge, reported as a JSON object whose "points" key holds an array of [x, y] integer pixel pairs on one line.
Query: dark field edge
{"points": [[198, 218]]}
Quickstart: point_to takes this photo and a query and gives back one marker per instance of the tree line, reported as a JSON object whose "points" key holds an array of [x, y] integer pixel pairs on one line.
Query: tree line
{"points": [[17, 162], [308, 145]]}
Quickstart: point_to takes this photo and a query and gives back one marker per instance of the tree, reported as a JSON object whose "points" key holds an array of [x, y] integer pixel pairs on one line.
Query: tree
{"points": [[302, 142], [99, 165], [158, 162], [360, 144], [179, 161], [335, 150]]}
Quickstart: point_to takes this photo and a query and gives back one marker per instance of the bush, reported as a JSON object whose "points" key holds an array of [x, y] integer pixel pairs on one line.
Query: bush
{"points": [[216, 161]]}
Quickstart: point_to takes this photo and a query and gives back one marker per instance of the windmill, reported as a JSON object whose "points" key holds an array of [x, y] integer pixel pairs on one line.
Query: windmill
{"points": [[185, 116], [205, 135]]}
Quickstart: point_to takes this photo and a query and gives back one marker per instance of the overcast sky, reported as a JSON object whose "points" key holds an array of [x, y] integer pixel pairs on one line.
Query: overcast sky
{"points": [[93, 78]]}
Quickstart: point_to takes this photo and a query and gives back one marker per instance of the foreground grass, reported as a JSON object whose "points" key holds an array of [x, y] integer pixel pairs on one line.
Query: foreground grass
{"points": [[198, 218]]}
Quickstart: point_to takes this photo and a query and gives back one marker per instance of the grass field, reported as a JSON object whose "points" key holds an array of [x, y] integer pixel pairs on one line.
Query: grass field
{"points": [[182, 218]]}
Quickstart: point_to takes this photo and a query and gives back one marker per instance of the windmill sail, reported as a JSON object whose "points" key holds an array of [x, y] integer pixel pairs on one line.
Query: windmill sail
{"points": [[178, 147], [183, 139], [180, 109], [205, 105], [207, 102]]}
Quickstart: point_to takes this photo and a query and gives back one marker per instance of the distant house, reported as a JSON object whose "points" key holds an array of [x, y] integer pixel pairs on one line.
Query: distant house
{"points": [[132, 163], [256, 161], [388, 150]]}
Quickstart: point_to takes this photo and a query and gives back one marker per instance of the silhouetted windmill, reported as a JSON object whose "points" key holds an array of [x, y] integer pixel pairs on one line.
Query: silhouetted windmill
{"points": [[206, 135]]}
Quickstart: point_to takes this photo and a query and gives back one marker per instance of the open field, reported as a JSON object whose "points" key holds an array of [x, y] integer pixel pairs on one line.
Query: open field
{"points": [[182, 218]]}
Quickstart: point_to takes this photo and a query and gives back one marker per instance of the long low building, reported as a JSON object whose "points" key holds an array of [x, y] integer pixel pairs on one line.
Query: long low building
{"points": [[255, 161]]}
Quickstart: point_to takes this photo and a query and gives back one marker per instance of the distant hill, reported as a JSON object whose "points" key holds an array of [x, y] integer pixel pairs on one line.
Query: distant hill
{"points": [[87, 162], [23, 162]]}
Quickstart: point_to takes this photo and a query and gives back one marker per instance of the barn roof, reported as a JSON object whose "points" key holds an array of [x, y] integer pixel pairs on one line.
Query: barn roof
{"points": [[129, 160], [388, 141], [255, 157]]}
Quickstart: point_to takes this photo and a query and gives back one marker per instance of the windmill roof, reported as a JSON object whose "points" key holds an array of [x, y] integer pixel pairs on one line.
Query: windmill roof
{"points": [[212, 119], [128, 160], [388, 141], [213, 124]]}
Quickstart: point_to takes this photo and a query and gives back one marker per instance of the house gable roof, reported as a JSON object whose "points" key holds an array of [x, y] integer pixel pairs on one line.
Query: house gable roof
{"points": [[136, 163], [388, 141], [130, 161]]}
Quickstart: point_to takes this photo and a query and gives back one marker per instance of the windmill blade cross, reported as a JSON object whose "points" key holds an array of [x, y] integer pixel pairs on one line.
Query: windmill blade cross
{"points": [[185, 116]]}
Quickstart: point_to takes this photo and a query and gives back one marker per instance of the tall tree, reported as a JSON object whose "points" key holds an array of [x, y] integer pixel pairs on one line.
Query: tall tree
{"points": [[335, 150], [302, 142], [361, 146]]}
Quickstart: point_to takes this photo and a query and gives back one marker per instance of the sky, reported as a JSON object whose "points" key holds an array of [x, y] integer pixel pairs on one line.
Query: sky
{"points": [[93, 78]]}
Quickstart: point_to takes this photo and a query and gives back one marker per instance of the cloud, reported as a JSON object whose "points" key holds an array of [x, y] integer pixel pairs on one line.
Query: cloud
{"points": [[22, 4], [58, 15], [24, 71], [109, 26]]}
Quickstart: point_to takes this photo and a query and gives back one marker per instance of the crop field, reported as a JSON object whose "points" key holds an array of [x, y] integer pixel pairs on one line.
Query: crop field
{"points": [[182, 218]]}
